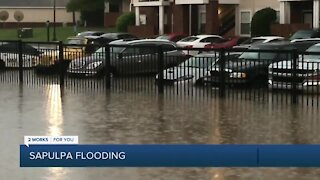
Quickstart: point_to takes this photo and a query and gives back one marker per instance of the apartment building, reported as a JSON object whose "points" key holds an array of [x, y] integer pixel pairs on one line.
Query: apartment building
{"points": [[225, 17]]}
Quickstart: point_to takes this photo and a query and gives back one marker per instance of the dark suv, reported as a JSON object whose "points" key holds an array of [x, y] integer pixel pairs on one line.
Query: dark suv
{"points": [[251, 68]]}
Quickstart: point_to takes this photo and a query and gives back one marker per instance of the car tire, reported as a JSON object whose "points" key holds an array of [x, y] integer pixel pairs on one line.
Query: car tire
{"points": [[102, 73], [199, 82]]}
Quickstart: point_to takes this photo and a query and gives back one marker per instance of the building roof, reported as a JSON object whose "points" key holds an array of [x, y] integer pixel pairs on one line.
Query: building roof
{"points": [[32, 3]]}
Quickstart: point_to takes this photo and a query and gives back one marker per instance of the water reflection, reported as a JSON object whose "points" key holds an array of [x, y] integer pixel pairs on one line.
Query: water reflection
{"points": [[55, 120], [54, 110]]}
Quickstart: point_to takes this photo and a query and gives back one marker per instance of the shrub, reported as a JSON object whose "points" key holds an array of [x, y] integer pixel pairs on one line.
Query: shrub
{"points": [[124, 21], [261, 22]]}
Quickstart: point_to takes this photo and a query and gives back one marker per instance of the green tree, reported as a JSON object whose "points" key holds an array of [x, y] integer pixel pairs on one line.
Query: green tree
{"points": [[124, 21], [261, 22], [91, 10]]}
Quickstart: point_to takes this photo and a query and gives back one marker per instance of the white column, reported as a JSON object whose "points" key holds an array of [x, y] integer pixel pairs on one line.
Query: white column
{"points": [[237, 20], [284, 12], [106, 7], [137, 15], [161, 19], [316, 9], [190, 17]]}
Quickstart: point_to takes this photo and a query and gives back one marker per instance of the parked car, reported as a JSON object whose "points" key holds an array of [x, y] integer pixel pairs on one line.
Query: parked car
{"points": [[228, 44], [259, 40], [128, 57], [109, 37], [199, 41], [307, 71], [89, 33], [48, 62], [9, 55], [175, 37], [251, 68], [194, 69], [305, 34]]}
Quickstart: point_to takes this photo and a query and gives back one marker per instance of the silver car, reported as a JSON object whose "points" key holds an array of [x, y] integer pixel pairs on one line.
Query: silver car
{"points": [[128, 57], [308, 72]]}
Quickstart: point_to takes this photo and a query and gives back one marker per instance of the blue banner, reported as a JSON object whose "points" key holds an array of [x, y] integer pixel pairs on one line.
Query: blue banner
{"points": [[170, 156]]}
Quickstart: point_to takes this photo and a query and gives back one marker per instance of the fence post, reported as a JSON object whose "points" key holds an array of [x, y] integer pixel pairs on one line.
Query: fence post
{"points": [[20, 59], [294, 93], [222, 84], [61, 64], [160, 70], [108, 66]]}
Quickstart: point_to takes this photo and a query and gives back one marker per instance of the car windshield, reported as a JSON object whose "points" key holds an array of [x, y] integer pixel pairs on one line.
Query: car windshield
{"points": [[99, 51], [199, 62], [302, 35], [117, 50], [189, 39], [163, 37], [252, 41], [314, 49], [258, 55], [257, 41]]}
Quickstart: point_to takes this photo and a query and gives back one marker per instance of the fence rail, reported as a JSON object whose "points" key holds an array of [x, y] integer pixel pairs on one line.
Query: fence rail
{"points": [[288, 74]]}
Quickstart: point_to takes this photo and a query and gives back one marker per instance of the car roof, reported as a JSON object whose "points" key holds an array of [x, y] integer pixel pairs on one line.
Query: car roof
{"points": [[268, 37], [307, 39], [128, 42], [206, 36]]}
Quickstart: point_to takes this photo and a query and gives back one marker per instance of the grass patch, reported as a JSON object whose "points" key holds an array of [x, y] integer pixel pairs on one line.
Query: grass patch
{"points": [[40, 34]]}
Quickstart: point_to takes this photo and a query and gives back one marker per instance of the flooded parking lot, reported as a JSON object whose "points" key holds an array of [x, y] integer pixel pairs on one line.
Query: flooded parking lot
{"points": [[121, 117]]}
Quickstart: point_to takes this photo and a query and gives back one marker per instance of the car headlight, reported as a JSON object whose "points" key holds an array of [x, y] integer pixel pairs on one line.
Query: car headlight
{"points": [[238, 75], [94, 65], [183, 78]]}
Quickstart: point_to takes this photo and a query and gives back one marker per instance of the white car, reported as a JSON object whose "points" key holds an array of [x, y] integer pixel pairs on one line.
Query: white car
{"points": [[259, 40], [9, 55], [193, 70], [307, 71], [199, 41]]}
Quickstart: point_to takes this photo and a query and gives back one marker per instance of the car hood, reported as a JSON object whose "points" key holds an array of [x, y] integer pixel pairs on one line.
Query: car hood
{"points": [[241, 65], [305, 64]]}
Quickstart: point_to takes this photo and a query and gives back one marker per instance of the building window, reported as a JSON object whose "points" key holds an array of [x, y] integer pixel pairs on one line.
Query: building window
{"points": [[245, 22], [278, 17]]}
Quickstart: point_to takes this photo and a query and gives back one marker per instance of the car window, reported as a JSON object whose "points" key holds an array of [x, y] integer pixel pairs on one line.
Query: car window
{"points": [[168, 47], [258, 55], [163, 37], [189, 39], [145, 50], [177, 38], [315, 49], [212, 40]]}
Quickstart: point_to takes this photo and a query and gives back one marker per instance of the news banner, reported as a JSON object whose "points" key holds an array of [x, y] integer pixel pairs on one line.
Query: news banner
{"points": [[65, 151]]}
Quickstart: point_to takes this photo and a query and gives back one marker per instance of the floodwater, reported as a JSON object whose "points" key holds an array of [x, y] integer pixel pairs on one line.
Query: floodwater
{"points": [[133, 118]]}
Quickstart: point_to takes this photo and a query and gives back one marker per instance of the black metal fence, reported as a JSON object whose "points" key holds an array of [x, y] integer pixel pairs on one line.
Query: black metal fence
{"points": [[284, 75]]}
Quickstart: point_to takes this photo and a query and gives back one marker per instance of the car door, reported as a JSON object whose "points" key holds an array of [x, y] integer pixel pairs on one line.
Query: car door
{"points": [[148, 58]]}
